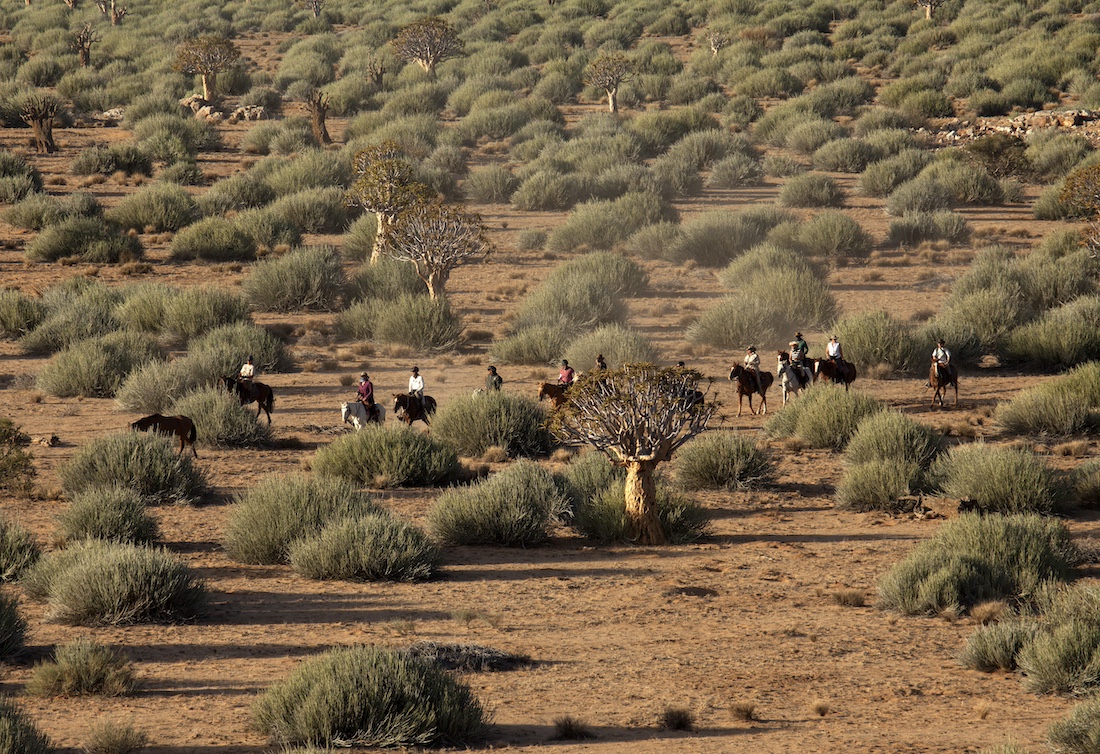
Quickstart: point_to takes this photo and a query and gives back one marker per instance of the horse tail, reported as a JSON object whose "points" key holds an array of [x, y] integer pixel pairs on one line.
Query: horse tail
{"points": [[269, 403], [193, 434]]}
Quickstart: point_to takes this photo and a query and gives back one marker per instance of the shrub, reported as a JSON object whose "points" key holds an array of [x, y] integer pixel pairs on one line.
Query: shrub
{"points": [[844, 156], [82, 667], [994, 647], [19, 313], [825, 417], [143, 306], [603, 518], [882, 177], [366, 696], [874, 338], [586, 477], [921, 194], [1085, 484], [1059, 657], [387, 279], [388, 457], [494, 184], [1062, 406], [195, 311], [144, 462], [547, 190], [110, 737], [303, 279], [220, 352], [235, 193], [13, 629], [714, 238], [88, 238], [809, 135], [214, 239], [810, 190], [722, 461], [736, 322], [110, 513], [316, 210], [472, 425], [571, 304], [220, 419], [18, 733], [40, 210], [160, 207], [735, 171], [1077, 734], [998, 479], [613, 271], [418, 322], [1062, 337], [17, 178], [604, 224], [877, 485], [266, 519], [374, 547], [96, 367], [619, 345], [513, 508], [976, 558], [111, 584], [537, 344], [74, 312], [18, 550], [892, 436], [917, 227], [835, 236], [120, 158]]}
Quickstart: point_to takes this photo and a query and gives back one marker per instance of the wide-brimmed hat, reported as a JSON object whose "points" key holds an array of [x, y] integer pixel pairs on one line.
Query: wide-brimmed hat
{"points": [[752, 348], [363, 376]]}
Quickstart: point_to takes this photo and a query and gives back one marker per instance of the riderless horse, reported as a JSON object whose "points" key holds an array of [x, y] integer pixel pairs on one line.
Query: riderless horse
{"points": [[248, 391], [355, 413], [180, 426], [746, 385], [940, 378], [409, 408], [790, 380], [557, 394], [833, 371]]}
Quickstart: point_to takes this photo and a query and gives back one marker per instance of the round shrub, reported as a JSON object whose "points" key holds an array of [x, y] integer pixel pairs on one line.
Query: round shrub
{"points": [[18, 733], [311, 279], [494, 184], [111, 513], [82, 667], [844, 156], [874, 338], [892, 436], [220, 352], [603, 518], [513, 508], [160, 207], [214, 239], [619, 345], [418, 322], [143, 306], [367, 696], [533, 345], [713, 239], [238, 192], [921, 194], [570, 305], [882, 177], [722, 461], [472, 425], [386, 279], [877, 485], [609, 269], [586, 477], [220, 419], [998, 479], [825, 417], [13, 628], [96, 368], [316, 210], [195, 311], [735, 171], [917, 227], [18, 550], [810, 190], [373, 547], [810, 135], [388, 457], [109, 584], [74, 313], [835, 236], [266, 519], [144, 462], [737, 322], [1065, 405], [605, 224], [1078, 732], [88, 238], [19, 313], [994, 647]]}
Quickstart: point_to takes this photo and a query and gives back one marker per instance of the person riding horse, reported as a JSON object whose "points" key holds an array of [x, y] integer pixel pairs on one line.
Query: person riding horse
{"points": [[941, 357], [752, 364], [601, 365], [416, 383], [835, 354], [566, 376], [248, 371], [365, 395], [799, 351], [493, 381]]}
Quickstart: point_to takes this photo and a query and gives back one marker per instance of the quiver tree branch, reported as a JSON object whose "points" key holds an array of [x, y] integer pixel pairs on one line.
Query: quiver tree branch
{"points": [[82, 41], [385, 186], [436, 238], [112, 10]]}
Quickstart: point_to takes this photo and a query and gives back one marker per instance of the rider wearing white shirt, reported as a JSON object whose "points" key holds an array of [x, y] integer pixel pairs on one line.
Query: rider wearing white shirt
{"points": [[833, 350], [416, 383], [248, 370]]}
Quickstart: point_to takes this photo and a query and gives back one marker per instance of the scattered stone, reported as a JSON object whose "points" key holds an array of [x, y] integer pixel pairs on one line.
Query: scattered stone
{"points": [[50, 442], [691, 591], [194, 103], [248, 112]]}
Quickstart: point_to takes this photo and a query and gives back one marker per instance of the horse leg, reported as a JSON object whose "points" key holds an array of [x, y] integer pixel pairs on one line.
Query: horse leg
{"points": [[956, 384], [764, 401], [740, 401]]}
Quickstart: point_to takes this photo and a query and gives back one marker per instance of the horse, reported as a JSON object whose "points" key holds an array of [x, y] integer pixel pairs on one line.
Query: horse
{"points": [[248, 391], [940, 378], [746, 385], [789, 379], [180, 426], [835, 371], [409, 408], [557, 394], [355, 413]]}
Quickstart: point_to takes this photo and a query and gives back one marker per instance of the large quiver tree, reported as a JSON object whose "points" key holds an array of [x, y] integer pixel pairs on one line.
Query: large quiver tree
{"points": [[429, 42], [207, 56], [436, 238], [638, 415], [385, 186]]}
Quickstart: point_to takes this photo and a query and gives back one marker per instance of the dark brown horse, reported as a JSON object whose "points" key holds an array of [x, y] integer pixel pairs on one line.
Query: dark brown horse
{"points": [[409, 408], [556, 394], [746, 385], [248, 391], [833, 371], [180, 426], [940, 379]]}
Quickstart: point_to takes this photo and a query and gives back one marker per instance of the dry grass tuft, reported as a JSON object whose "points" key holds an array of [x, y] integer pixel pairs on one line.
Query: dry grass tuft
{"points": [[988, 612], [744, 711], [1073, 449], [562, 455], [850, 597], [820, 707], [569, 728], [346, 380], [879, 372], [982, 709], [494, 454], [676, 718]]}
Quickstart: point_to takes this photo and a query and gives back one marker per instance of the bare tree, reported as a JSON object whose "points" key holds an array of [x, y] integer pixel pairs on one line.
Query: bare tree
{"points": [[82, 41], [718, 41], [72, 4], [313, 6], [436, 238], [638, 416], [386, 187], [429, 42], [375, 67], [38, 113], [112, 10], [317, 103], [608, 72], [930, 6], [207, 56]]}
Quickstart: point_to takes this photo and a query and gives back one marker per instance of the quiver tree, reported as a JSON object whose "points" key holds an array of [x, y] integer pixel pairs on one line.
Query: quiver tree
{"points": [[81, 43], [638, 416], [317, 102], [718, 41], [72, 4], [207, 56], [375, 67], [313, 6], [436, 238], [429, 42], [608, 72], [386, 187], [112, 10], [38, 113], [930, 6]]}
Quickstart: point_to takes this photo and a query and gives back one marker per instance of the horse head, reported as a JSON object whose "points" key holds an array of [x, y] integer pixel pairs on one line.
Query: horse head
{"points": [[345, 412], [736, 371]]}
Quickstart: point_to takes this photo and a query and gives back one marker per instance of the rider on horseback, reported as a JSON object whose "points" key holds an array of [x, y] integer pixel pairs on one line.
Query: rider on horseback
{"points": [[752, 365], [799, 351], [941, 357], [566, 377], [366, 396], [248, 371], [836, 355], [493, 381], [416, 384]]}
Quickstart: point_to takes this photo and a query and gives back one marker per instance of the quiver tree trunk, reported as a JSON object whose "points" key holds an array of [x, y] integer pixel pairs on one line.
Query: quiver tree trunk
{"points": [[613, 100], [208, 82], [380, 235], [38, 113], [643, 524], [317, 102]]}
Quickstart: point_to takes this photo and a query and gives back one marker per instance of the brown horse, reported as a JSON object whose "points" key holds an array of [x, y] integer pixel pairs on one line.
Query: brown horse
{"points": [[746, 385], [557, 394], [180, 426], [248, 391], [835, 371], [940, 379], [409, 408]]}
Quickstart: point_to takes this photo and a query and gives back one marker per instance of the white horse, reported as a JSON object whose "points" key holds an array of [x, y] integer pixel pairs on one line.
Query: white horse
{"points": [[789, 380], [355, 413]]}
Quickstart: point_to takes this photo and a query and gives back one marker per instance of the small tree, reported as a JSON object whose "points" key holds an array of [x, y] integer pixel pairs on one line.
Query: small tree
{"points": [[638, 416], [207, 56], [436, 238], [317, 103], [386, 187], [1081, 192], [375, 67], [313, 6], [429, 42], [718, 41], [608, 72], [38, 113], [930, 6], [112, 10], [82, 41]]}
